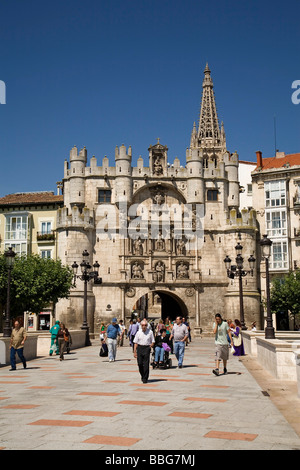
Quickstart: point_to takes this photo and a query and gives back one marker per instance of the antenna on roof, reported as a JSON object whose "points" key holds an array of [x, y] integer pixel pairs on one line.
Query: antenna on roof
{"points": [[275, 136]]}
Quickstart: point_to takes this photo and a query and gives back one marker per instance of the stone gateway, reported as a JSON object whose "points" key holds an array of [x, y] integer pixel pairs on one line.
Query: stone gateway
{"points": [[160, 231]]}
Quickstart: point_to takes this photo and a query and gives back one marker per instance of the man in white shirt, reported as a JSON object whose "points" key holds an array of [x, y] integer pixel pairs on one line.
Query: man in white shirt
{"points": [[143, 341], [180, 333]]}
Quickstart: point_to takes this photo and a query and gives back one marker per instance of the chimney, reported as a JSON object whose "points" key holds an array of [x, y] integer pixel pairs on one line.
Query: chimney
{"points": [[259, 159]]}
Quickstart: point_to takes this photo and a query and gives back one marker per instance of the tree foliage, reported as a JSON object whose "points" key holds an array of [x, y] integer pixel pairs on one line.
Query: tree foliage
{"points": [[35, 283], [285, 294]]}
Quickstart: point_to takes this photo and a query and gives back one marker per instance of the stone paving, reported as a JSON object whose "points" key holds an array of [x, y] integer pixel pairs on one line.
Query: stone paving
{"points": [[87, 403]]}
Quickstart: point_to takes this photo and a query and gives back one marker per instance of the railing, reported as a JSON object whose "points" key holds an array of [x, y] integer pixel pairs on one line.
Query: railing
{"points": [[45, 237]]}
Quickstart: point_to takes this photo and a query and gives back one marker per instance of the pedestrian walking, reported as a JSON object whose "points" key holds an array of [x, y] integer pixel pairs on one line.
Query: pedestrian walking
{"points": [[132, 332], [180, 333], [120, 340], [221, 329], [143, 342], [160, 326], [102, 331], [168, 327], [186, 323], [54, 343], [63, 337], [112, 332], [237, 338], [17, 340]]}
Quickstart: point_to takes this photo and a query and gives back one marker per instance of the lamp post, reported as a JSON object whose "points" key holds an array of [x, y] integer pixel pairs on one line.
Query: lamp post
{"points": [[266, 244], [238, 271], [10, 259], [86, 276]]}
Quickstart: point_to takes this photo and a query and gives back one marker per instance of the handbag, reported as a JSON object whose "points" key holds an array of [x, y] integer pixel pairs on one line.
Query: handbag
{"points": [[166, 347], [237, 340], [103, 350]]}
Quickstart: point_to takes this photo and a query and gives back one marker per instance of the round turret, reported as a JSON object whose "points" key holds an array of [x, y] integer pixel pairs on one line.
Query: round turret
{"points": [[77, 176], [123, 182], [195, 182]]}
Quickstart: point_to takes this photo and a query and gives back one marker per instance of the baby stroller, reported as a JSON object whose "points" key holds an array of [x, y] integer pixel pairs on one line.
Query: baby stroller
{"points": [[167, 361]]}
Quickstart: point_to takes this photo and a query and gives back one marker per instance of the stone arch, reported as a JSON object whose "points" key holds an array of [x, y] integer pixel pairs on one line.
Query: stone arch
{"points": [[144, 192], [172, 303]]}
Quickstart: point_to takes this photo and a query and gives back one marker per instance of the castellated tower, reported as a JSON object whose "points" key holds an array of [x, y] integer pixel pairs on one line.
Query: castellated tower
{"points": [[75, 231], [160, 231], [123, 181]]}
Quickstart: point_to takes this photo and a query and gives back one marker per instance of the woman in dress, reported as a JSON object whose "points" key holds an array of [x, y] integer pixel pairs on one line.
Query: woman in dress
{"points": [[238, 340]]}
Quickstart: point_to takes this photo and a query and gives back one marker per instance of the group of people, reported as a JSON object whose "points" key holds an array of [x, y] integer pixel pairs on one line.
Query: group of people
{"points": [[166, 336], [61, 340]]}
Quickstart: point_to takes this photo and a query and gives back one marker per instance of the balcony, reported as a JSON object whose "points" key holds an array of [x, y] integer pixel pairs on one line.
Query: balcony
{"points": [[45, 238]]}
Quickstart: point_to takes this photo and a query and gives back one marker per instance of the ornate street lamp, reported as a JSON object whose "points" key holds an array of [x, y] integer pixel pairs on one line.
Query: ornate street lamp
{"points": [[86, 276], [10, 259], [238, 271], [266, 244]]}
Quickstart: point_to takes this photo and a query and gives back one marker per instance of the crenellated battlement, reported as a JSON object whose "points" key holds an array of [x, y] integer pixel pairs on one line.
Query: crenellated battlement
{"points": [[243, 219], [76, 219]]}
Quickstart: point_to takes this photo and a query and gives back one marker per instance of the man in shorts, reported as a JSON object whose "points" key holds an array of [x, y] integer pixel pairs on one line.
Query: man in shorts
{"points": [[221, 330]]}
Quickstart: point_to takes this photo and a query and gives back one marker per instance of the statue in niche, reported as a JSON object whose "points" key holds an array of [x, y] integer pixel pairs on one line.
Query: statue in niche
{"points": [[160, 243], [137, 272], [157, 167], [159, 198], [159, 275], [182, 271], [138, 247], [181, 247]]}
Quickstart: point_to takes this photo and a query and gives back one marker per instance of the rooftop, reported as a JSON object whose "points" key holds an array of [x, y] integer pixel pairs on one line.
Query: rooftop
{"points": [[281, 160], [38, 197]]}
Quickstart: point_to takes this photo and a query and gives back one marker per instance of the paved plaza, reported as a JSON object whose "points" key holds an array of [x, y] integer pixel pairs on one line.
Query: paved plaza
{"points": [[87, 403]]}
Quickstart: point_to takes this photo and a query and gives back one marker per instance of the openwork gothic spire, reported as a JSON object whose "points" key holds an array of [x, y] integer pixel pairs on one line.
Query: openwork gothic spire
{"points": [[209, 132]]}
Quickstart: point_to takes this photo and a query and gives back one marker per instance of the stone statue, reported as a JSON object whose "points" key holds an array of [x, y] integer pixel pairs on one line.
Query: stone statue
{"points": [[180, 247], [138, 247], [157, 167], [159, 198], [182, 271], [137, 272], [160, 243], [159, 272]]}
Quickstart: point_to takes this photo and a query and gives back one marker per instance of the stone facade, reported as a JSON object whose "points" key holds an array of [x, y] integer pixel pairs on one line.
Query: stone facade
{"points": [[276, 198], [160, 231]]}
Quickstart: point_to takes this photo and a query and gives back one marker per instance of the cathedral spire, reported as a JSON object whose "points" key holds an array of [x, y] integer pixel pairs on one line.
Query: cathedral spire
{"points": [[209, 132]]}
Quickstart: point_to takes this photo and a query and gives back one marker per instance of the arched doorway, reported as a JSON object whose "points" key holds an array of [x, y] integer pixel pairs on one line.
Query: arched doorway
{"points": [[159, 304]]}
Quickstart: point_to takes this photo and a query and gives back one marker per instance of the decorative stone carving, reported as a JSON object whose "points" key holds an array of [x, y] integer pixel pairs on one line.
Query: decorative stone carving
{"points": [[137, 271], [189, 292], [157, 166], [131, 291], [180, 247], [160, 243], [158, 196], [138, 247], [182, 270], [159, 274]]}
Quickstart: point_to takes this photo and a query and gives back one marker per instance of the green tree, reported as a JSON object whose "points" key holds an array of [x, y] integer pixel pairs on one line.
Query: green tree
{"points": [[35, 282], [285, 294]]}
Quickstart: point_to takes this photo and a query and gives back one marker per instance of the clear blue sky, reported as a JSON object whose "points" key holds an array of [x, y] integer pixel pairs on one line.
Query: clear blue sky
{"points": [[100, 73]]}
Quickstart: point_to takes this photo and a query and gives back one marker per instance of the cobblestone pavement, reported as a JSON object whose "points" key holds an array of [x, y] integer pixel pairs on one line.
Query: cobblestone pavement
{"points": [[87, 403]]}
